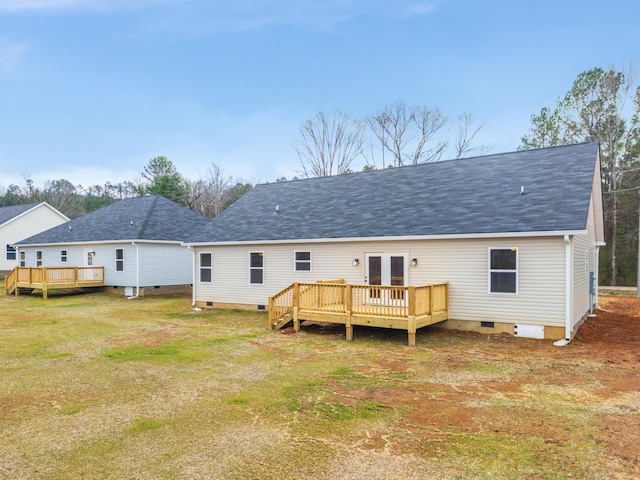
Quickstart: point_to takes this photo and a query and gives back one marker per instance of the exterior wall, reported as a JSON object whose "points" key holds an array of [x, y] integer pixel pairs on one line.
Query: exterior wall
{"points": [[39, 219], [165, 265], [463, 263], [584, 261], [160, 264]]}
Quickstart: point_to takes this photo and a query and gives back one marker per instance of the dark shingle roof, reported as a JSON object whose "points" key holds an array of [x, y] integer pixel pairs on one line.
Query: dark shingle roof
{"points": [[152, 218], [8, 213], [478, 195]]}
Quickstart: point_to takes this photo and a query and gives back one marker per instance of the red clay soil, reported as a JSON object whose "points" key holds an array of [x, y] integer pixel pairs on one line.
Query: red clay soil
{"points": [[611, 340]]}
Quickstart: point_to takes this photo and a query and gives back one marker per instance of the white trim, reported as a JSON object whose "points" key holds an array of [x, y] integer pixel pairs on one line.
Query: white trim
{"points": [[391, 238], [102, 242], [296, 261], [200, 267], [45, 204], [490, 270], [261, 253], [115, 265]]}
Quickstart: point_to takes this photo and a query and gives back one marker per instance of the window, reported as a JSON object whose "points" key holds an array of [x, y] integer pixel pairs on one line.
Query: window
{"points": [[23, 259], [11, 253], [119, 259], [256, 267], [503, 270], [205, 267], [63, 256], [302, 261], [38, 258]]}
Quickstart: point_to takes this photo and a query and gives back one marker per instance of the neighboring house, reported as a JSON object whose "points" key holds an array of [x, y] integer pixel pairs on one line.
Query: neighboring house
{"points": [[22, 221], [515, 235], [137, 240]]}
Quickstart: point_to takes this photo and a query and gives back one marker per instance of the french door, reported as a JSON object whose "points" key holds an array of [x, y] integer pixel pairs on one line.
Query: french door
{"points": [[385, 269]]}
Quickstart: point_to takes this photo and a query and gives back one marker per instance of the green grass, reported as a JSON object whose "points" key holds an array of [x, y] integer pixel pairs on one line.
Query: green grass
{"points": [[95, 386]]}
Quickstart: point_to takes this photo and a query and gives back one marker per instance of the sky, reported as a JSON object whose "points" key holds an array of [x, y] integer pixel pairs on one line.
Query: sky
{"points": [[91, 90]]}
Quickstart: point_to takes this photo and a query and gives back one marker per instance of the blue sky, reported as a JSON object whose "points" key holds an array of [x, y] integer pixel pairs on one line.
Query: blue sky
{"points": [[91, 90]]}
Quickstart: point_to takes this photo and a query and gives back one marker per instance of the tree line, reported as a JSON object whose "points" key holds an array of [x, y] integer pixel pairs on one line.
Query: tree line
{"points": [[601, 105]]}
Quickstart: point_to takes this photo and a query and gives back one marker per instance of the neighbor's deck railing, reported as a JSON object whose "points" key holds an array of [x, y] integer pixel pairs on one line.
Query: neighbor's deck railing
{"points": [[54, 277]]}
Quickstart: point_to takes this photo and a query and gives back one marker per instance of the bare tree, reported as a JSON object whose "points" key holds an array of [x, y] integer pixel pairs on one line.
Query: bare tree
{"points": [[467, 131], [330, 144], [408, 134]]}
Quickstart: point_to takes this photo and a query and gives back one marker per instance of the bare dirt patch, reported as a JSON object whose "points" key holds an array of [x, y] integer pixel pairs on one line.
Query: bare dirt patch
{"points": [[599, 369]]}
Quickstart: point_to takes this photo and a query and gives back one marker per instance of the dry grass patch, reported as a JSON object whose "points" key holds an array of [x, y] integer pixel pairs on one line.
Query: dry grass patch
{"points": [[95, 386]]}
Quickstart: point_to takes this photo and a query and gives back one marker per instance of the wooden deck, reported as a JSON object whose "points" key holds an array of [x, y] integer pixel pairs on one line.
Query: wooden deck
{"points": [[46, 278], [405, 308]]}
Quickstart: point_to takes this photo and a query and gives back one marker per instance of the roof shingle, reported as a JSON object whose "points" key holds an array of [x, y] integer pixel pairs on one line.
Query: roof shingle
{"points": [[480, 195]]}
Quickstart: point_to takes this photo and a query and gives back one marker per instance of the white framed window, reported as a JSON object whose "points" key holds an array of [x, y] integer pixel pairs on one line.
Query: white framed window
{"points": [[503, 270], [23, 259], [63, 256], [256, 268], [302, 261], [119, 259], [205, 267], [38, 258], [11, 253]]}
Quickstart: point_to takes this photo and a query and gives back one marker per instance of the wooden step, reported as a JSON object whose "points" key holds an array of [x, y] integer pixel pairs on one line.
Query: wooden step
{"points": [[284, 321]]}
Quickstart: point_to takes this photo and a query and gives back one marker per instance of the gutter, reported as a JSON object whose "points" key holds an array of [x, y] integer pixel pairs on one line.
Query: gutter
{"points": [[567, 294]]}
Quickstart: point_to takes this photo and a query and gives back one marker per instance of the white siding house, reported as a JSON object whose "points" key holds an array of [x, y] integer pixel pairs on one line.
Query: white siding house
{"points": [[22, 221], [515, 235], [137, 240]]}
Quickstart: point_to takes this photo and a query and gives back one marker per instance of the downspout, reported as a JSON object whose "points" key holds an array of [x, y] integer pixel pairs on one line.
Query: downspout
{"points": [[597, 285], [567, 294], [137, 272], [193, 276]]}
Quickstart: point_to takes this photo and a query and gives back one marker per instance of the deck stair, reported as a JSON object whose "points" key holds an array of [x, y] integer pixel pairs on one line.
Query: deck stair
{"points": [[399, 307]]}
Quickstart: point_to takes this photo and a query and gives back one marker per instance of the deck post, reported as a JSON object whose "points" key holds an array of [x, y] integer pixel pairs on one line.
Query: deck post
{"points": [[75, 276], [412, 299], [296, 320], [295, 298], [270, 312], [411, 329], [348, 306]]}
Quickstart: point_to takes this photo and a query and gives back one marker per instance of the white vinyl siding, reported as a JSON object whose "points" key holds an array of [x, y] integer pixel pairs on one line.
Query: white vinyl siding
{"points": [[584, 252], [463, 263], [37, 220], [160, 264]]}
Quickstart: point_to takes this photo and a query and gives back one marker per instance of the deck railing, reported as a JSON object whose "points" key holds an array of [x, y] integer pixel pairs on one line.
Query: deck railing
{"points": [[399, 302], [54, 277]]}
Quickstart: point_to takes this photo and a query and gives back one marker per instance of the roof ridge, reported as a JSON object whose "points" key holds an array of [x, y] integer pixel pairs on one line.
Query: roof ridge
{"points": [[148, 217]]}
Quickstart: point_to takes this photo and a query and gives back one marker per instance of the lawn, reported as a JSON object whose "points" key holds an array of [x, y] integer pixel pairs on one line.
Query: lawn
{"points": [[95, 386]]}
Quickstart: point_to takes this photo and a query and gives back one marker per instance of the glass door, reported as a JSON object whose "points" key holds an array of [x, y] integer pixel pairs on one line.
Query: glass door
{"points": [[385, 269]]}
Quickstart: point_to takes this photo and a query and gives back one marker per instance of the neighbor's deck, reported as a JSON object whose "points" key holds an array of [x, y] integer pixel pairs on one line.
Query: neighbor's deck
{"points": [[399, 307], [46, 278]]}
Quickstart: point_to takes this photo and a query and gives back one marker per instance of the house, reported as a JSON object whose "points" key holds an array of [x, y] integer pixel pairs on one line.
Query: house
{"points": [[21, 221], [515, 236], [138, 241]]}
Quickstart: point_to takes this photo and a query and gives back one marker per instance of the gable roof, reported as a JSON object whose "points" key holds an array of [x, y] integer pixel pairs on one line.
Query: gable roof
{"points": [[9, 213], [480, 195], [152, 218]]}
